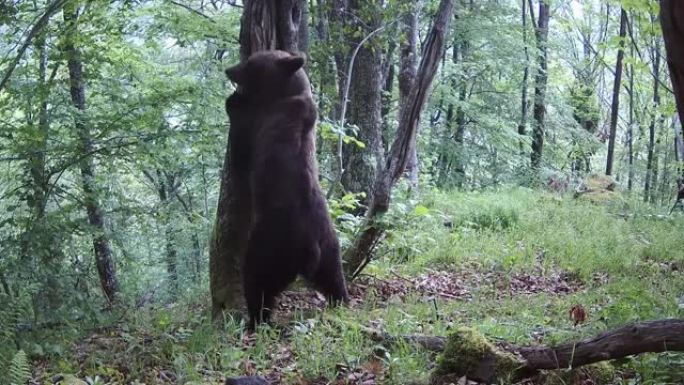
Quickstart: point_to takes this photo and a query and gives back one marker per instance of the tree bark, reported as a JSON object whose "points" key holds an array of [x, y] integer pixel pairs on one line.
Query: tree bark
{"points": [[460, 156], [615, 105], [365, 104], [360, 253], [407, 73], [303, 30], [522, 127], [672, 21], [650, 166], [630, 130], [541, 33], [265, 24], [96, 218], [164, 184]]}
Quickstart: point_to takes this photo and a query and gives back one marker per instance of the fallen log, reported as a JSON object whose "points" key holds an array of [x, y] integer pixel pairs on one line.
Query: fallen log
{"points": [[467, 353]]}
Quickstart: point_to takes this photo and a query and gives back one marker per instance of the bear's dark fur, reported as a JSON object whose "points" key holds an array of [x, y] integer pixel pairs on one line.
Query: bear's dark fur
{"points": [[292, 232]]}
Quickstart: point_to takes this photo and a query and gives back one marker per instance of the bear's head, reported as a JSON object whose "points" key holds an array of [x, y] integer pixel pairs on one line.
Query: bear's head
{"points": [[271, 75]]}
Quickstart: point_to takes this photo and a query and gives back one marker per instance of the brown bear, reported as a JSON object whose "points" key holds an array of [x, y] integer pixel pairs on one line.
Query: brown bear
{"points": [[292, 233]]}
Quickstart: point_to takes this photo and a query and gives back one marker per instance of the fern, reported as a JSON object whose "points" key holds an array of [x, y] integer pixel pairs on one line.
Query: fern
{"points": [[13, 311], [19, 369]]}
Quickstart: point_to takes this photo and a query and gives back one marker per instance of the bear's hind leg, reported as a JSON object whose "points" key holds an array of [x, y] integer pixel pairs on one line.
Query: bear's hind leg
{"points": [[329, 278], [260, 304]]}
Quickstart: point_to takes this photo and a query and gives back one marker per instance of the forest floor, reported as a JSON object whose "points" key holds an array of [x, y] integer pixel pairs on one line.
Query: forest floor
{"points": [[511, 264]]}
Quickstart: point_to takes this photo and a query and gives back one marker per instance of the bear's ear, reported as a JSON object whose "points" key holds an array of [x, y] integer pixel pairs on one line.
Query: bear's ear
{"points": [[237, 73], [292, 64]]}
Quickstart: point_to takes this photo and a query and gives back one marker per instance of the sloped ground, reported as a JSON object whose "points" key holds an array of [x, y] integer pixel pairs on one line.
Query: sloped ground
{"points": [[516, 266]]}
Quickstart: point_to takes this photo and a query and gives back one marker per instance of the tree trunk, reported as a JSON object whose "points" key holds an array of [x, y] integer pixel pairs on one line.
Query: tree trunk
{"points": [[522, 127], [303, 31], [40, 243], [360, 253], [541, 34], [407, 73], [365, 103], [460, 156], [265, 24], [616, 93], [672, 20], [647, 337], [630, 130], [101, 246], [164, 183], [389, 73], [652, 127]]}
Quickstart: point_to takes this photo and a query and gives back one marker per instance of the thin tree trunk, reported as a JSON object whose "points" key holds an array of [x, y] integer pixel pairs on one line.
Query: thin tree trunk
{"points": [[360, 254], [389, 73], [196, 252], [459, 136], [39, 240], [541, 33], [630, 130], [407, 74], [652, 127], [655, 174], [522, 127], [101, 246], [616, 93], [164, 183], [265, 24]]}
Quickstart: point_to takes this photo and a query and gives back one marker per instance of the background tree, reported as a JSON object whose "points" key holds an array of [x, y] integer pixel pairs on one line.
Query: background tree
{"points": [[616, 93], [541, 33]]}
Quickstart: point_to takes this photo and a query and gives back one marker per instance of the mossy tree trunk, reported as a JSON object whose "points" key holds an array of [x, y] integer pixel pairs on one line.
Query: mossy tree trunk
{"points": [[265, 24]]}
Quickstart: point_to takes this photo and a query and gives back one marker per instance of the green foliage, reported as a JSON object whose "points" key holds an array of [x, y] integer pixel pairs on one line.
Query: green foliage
{"points": [[19, 369], [155, 89]]}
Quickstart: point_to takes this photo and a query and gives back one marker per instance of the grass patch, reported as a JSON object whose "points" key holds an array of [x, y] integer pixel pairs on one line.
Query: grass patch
{"points": [[625, 268]]}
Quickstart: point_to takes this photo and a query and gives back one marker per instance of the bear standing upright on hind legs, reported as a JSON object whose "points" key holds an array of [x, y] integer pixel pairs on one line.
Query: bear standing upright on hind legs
{"points": [[292, 233]]}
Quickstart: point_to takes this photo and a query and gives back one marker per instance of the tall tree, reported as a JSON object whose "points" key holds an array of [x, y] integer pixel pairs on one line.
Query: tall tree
{"points": [[361, 252], [165, 183], [408, 61], [271, 24], [541, 34], [617, 81], [361, 164], [461, 52], [655, 117], [96, 218], [672, 21], [630, 129], [522, 127]]}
